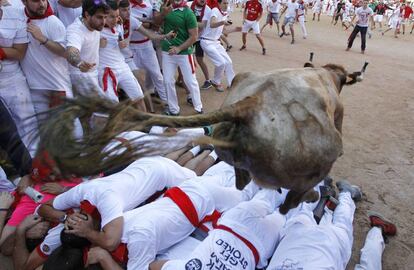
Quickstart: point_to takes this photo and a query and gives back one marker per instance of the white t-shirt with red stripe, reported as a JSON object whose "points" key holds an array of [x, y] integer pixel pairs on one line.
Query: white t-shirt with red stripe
{"points": [[117, 193], [220, 250]]}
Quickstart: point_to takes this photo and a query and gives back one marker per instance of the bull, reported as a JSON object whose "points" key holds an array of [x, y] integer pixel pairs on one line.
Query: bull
{"points": [[282, 129]]}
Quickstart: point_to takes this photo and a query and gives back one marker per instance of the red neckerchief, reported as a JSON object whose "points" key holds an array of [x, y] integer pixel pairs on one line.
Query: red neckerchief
{"points": [[126, 26], [135, 3], [182, 4], [48, 12], [222, 13], [193, 6], [112, 29]]}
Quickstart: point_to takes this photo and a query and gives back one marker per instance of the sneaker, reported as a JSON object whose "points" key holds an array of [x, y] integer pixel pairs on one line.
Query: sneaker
{"points": [[200, 112], [167, 112], [228, 48], [281, 35], [242, 48], [218, 86], [263, 51], [206, 85], [345, 186], [189, 101], [377, 220]]}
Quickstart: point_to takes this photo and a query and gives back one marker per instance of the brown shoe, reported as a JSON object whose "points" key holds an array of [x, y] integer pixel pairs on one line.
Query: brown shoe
{"points": [[377, 220]]}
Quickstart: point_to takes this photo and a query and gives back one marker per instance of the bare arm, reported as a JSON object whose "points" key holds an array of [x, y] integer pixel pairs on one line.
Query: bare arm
{"points": [[152, 35], [157, 265], [214, 23], [49, 213], [17, 52], [191, 39], [103, 257]]}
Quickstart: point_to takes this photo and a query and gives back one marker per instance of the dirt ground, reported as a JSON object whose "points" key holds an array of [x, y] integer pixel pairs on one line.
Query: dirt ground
{"points": [[378, 129]]}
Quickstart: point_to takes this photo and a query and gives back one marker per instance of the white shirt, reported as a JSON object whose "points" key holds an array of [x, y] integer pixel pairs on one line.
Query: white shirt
{"points": [[363, 15], [111, 55], [12, 31], [134, 25], [45, 70], [301, 9], [86, 41], [16, 3], [214, 33], [117, 193], [274, 7], [206, 16], [66, 15], [220, 250], [291, 9], [140, 13]]}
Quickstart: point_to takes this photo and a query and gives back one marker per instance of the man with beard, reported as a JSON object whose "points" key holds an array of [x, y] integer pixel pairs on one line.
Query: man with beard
{"points": [[47, 83], [83, 47]]}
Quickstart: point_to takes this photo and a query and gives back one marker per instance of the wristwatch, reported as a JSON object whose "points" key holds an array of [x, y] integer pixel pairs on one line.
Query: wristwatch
{"points": [[63, 218]]}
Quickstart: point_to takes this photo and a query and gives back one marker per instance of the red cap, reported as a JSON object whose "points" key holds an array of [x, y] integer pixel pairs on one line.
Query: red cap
{"points": [[90, 209], [42, 166]]}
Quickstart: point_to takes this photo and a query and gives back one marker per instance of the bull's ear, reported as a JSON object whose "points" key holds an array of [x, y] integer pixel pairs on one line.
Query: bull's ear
{"points": [[352, 78], [242, 178], [308, 64]]}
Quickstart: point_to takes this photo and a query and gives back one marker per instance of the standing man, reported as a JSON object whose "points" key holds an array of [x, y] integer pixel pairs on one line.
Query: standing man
{"points": [[363, 13], [215, 51], [14, 90], [291, 16], [317, 9], [44, 64], [273, 15], [178, 52], [301, 17], [407, 11], [379, 12], [145, 56], [252, 14], [83, 47]]}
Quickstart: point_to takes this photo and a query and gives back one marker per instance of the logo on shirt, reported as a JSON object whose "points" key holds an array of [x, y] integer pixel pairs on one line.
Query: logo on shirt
{"points": [[193, 264], [45, 248]]}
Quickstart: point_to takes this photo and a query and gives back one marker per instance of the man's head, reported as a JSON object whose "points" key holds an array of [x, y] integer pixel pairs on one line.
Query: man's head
{"points": [[365, 3], [94, 13], [113, 15], [223, 4], [201, 3], [124, 9], [36, 8]]}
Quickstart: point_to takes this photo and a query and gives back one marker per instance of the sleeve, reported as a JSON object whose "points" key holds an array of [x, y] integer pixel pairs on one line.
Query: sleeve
{"points": [[21, 35], [69, 199], [73, 37], [109, 207], [135, 24], [207, 14], [191, 21], [57, 32], [214, 13]]}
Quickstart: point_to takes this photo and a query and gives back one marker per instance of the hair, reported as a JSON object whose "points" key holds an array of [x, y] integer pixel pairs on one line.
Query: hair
{"points": [[124, 3], [113, 4], [64, 258], [93, 6], [31, 244], [72, 241]]}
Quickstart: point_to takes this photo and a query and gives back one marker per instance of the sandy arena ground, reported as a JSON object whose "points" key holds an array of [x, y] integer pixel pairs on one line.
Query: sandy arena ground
{"points": [[378, 130]]}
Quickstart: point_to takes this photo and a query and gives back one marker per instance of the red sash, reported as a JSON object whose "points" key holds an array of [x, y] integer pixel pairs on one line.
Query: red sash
{"points": [[109, 73]]}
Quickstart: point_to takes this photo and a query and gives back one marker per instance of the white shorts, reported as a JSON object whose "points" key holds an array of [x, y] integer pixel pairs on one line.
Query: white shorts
{"points": [[247, 25], [378, 18], [317, 9], [289, 20]]}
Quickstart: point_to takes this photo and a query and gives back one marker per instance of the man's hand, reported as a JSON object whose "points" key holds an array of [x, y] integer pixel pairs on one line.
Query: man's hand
{"points": [[53, 188], [28, 223], [172, 34], [25, 182], [123, 44], [96, 254], [174, 50], [6, 200], [80, 224], [228, 22], [85, 66], [36, 33], [38, 231]]}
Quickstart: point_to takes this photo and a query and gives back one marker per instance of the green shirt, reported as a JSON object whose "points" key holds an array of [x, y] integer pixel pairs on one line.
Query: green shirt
{"points": [[179, 20]]}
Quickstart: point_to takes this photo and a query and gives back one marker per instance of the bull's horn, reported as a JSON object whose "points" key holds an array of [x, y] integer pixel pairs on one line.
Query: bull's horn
{"points": [[311, 57], [364, 67], [360, 76]]}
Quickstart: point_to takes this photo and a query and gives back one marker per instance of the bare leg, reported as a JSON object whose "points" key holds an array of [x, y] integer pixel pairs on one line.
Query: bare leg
{"points": [[192, 164], [260, 39], [244, 39], [203, 66], [292, 31]]}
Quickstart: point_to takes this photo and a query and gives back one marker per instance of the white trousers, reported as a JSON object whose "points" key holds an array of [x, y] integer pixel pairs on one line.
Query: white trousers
{"points": [[15, 93], [87, 84], [145, 57], [371, 253], [221, 60], [186, 63], [303, 25]]}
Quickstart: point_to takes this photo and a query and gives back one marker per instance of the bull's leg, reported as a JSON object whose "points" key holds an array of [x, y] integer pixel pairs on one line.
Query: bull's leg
{"points": [[242, 178], [293, 199]]}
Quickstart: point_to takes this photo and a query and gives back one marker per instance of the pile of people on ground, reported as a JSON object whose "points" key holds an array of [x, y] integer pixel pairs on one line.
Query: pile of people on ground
{"points": [[178, 211]]}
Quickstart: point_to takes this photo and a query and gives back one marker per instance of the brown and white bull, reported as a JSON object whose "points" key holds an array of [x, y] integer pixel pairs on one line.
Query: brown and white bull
{"points": [[283, 128]]}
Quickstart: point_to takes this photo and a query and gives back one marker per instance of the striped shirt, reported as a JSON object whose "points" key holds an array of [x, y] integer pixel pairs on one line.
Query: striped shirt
{"points": [[12, 31]]}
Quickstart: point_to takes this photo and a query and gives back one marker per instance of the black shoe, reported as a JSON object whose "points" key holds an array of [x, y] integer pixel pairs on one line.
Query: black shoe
{"points": [[281, 35], [242, 48], [263, 51], [200, 112], [228, 48], [189, 101]]}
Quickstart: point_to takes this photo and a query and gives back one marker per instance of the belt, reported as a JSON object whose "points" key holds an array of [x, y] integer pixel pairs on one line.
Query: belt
{"points": [[139, 41], [203, 38]]}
